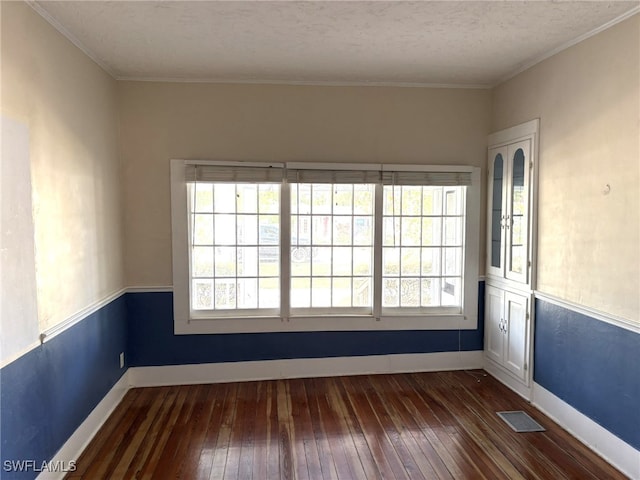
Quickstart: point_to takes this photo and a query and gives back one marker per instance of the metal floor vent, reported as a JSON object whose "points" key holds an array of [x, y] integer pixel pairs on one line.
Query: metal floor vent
{"points": [[521, 422]]}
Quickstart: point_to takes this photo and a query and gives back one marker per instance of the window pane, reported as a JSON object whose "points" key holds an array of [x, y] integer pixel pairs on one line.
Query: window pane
{"points": [[452, 231], [432, 201], [391, 291], [452, 202], [341, 292], [392, 200], [225, 294], [269, 294], [203, 200], [202, 262], [362, 292], [202, 294], [362, 260], [391, 231], [301, 261], [301, 199], [343, 200], [410, 261], [300, 230], [269, 261], [410, 231], [203, 230], [248, 261], [300, 292], [247, 198], [390, 261], [452, 261], [248, 293], [224, 198], [431, 261], [430, 292], [342, 261], [225, 229], [321, 199], [411, 200], [450, 291], [321, 234], [363, 200], [362, 231], [431, 231], [321, 264], [410, 292], [247, 226], [269, 198], [342, 230], [225, 262], [269, 230], [320, 292]]}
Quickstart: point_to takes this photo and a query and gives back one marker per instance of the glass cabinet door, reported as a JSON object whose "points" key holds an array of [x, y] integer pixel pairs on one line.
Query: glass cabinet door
{"points": [[517, 212], [497, 210]]}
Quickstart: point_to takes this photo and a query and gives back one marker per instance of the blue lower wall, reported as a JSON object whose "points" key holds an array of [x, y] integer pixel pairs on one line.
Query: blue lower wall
{"points": [[152, 341], [592, 365], [48, 392]]}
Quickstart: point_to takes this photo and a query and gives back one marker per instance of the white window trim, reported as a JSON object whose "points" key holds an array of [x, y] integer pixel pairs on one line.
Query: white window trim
{"points": [[184, 323]]}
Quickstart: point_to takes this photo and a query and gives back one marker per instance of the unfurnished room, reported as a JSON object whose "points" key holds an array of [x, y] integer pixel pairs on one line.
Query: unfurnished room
{"points": [[320, 240]]}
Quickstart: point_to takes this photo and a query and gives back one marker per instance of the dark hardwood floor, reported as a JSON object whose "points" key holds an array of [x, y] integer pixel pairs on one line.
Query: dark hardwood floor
{"points": [[406, 426]]}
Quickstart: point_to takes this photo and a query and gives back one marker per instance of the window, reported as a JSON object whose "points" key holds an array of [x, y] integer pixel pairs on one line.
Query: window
{"points": [[275, 247], [235, 253], [332, 247], [422, 248]]}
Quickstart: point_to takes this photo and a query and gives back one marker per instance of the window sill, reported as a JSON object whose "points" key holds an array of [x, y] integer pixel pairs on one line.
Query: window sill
{"points": [[323, 323]]}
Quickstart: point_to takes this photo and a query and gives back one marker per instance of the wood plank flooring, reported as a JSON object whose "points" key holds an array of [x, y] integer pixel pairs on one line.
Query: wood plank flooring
{"points": [[406, 426]]}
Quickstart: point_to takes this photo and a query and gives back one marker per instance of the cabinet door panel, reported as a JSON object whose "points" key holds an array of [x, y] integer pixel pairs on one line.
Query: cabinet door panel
{"points": [[517, 222], [494, 338], [516, 309], [497, 210]]}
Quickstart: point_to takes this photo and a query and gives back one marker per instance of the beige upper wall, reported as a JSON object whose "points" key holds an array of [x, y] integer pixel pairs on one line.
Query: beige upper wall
{"points": [[160, 121], [588, 101], [69, 106]]}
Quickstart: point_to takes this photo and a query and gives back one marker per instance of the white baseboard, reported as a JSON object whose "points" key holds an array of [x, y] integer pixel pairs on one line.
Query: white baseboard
{"points": [[247, 371], [302, 368], [507, 379], [614, 450], [78, 441]]}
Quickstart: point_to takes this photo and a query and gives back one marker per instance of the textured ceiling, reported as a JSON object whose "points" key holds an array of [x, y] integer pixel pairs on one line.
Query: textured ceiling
{"points": [[454, 43]]}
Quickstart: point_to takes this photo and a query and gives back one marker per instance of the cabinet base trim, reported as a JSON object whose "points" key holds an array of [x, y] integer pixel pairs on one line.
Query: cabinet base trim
{"points": [[509, 380]]}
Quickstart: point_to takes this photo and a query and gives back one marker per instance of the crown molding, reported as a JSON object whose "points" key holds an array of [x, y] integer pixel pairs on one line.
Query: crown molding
{"points": [[569, 44]]}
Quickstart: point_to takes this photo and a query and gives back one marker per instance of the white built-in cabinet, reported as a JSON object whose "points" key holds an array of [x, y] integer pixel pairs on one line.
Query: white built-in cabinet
{"points": [[507, 317], [510, 255]]}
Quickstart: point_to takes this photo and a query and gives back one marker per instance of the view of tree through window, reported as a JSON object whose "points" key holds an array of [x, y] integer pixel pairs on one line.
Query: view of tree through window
{"points": [[422, 246], [331, 245], [235, 259]]}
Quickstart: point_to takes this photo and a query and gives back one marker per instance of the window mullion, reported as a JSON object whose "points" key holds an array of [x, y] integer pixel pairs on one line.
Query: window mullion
{"points": [[353, 232], [333, 246], [235, 228], [285, 250], [421, 246], [377, 250]]}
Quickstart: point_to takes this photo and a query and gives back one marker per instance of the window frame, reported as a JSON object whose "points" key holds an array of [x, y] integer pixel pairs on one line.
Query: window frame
{"points": [[323, 319]]}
